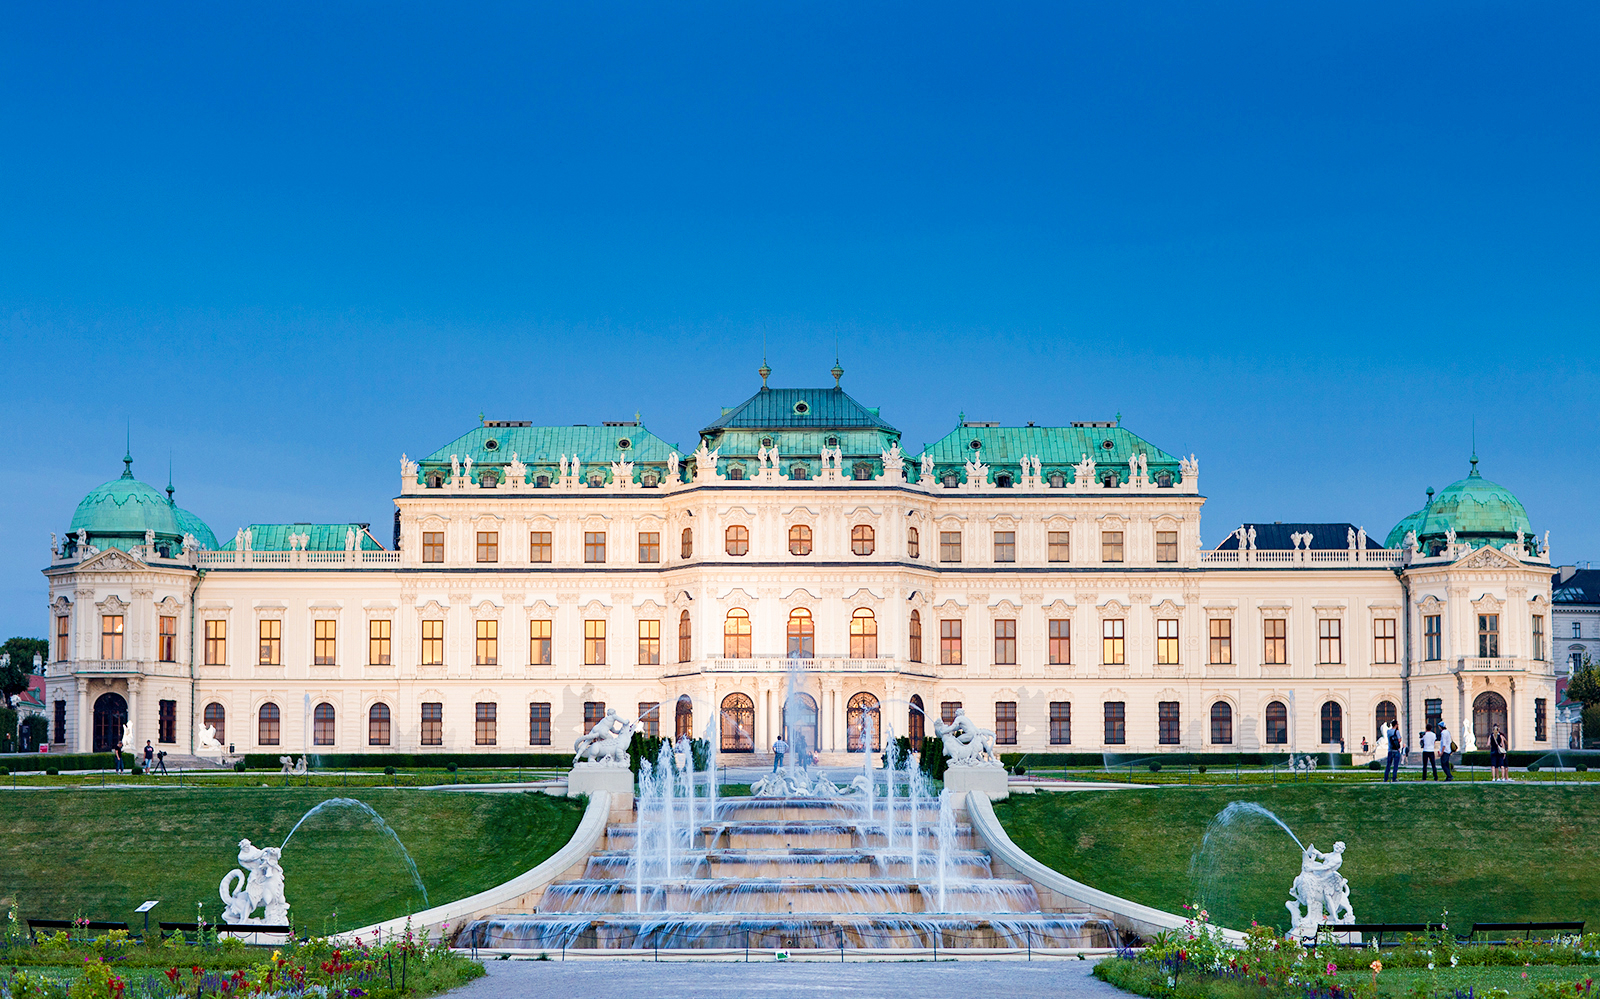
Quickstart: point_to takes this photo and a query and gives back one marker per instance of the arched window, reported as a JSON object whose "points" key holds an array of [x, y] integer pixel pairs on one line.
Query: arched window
{"points": [[915, 725], [1222, 724], [1277, 724], [800, 540], [913, 543], [1332, 723], [1385, 715], [861, 471], [738, 724], [686, 543], [378, 725], [800, 723], [801, 634], [951, 480], [861, 539], [736, 635], [863, 634], [685, 646], [914, 639], [1163, 480], [683, 718], [322, 725], [267, 725], [542, 481], [738, 540], [649, 480], [861, 721], [217, 718]]}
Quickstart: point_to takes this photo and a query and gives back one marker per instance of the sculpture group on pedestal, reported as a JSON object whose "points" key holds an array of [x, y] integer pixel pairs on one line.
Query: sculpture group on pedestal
{"points": [[606, 744], [1321, 891], [965, 744], [243, 894], [292, 766]]}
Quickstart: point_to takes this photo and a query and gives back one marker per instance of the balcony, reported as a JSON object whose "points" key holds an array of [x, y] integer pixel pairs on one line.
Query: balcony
{"points": [[1233, 557], [299, 560], [1486, 664], [773, 664]]}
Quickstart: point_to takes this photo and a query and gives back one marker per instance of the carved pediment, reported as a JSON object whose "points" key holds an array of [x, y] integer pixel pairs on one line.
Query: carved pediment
{"points": [[110, 560], [1487, 558]]}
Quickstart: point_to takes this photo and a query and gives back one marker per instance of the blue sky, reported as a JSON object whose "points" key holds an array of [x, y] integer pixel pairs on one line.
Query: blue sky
{"points": [[287, 242]]}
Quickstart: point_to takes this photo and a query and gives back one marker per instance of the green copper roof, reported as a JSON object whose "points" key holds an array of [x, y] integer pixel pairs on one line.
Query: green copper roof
{"points": [[118, 513], [1054, 445], [322, 537], [188, 523], [1479, 511], [546, 445], [785, 409]]}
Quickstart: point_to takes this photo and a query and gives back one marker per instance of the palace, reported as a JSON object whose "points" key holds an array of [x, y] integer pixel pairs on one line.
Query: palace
{"points": [[1049, 580]]}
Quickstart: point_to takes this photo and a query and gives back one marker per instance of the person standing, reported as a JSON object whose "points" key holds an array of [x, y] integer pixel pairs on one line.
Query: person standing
{"points": [[1391, 766], [117, 752], [779, 747], [1497, 755], [1429, 743], [1446, 747], [149, 755]]}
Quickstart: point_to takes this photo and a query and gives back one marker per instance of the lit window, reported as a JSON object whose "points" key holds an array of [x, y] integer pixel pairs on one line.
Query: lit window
{"points": [[1111, 641], [271, 640], [1166, 546], [1329, 647], [950, 641], [1276, 651], [433, 643], [738, 540], [685, 644], [488, 643], [539, 642], [433, 546], [861, 539], [800, 540], [801, 634], [1005, 642], [914, 638], [1060, 641], [111, 636], [167, 640], [649, 643], [216, 642], [863, 634], [1221, 641], [378, 637], [63, 639], [1167, 641], [540, 548], [325, 643], [736, 635], [594, 643]]}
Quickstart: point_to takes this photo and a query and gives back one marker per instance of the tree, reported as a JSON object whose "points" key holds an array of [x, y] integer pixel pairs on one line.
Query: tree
{"points": [[1584, 686], [14, 677]]}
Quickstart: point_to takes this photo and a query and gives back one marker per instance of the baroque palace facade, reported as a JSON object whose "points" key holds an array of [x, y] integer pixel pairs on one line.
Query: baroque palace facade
{"points": [[1049, 580]]}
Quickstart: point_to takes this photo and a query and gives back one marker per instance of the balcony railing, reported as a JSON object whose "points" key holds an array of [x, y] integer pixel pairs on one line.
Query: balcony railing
{"points": [[1300, 556], [299, 560], [772, 664]]}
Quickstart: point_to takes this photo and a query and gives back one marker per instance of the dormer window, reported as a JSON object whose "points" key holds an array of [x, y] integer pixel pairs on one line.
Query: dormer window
{"points": [[766, 442], [488, 478], [1110, 480], [951, 480], [832, 441], [542, 481], [735, 472], [1002, 481], [649, 480], [1057, 480], [1163, 480], [861, 471], [435, 480], [799, 472], [596, 480]]}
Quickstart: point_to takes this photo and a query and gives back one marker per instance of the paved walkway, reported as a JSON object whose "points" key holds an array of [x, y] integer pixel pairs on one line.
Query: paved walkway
{"points": [[771, 980]]}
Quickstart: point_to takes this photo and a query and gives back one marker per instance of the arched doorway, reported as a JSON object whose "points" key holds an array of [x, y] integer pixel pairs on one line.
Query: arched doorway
{"points": [[914, 723], [800, 724], [1488, 713], [110, 714], [861, 715], [683, 720], [1385, 715], [738, 724]]}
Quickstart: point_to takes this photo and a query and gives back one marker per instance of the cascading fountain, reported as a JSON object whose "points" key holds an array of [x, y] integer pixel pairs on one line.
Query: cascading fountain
{"points": [[809, 865]]}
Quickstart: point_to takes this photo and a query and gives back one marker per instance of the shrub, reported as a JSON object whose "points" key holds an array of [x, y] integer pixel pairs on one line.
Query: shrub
{"points": [[4, 772], [1582, 768], [933, 761], [388, 771], [451, 766], [1019, 769], [52, 772], [1155, 768], [238, 767], [1201, 768], [1533, 768], [1374, 765]]}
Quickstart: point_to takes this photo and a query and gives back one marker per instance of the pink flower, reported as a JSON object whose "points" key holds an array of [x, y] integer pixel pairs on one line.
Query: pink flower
{"points": [[1332, 968]]}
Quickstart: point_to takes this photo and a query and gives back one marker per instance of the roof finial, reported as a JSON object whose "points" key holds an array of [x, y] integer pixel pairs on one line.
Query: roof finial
{"points": [[1474, 448], [837, 371], [127, 455], [169, 476], [764, 370]]}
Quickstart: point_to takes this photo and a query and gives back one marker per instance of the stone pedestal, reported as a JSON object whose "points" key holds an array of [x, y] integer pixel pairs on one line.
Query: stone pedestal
{"points": [[587, 778], [990, 780]]}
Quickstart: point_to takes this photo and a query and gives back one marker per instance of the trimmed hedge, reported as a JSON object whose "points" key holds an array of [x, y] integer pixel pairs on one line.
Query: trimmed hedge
{"points": [[64, 762], [1546, 757], [1177, 759], [412, 761]]}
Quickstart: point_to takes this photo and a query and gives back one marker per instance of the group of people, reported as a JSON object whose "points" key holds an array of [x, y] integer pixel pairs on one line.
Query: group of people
{"points": [[1437, 746], [781, 748], [151, 758]]}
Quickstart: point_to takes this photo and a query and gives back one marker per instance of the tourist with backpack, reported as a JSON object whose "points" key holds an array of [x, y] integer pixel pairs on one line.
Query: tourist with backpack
{"points": [[1446, 747], [1391, 741]]}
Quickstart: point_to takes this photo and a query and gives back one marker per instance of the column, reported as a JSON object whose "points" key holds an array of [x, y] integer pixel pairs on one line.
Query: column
{"points": [[85, 722], [133, 713]]}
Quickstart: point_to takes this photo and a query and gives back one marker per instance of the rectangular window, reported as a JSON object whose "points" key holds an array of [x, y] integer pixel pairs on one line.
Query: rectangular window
{"points": [[593, 711], [1111, 546], [594, 643], [650, 719], [947, 711], [1488, 635], [61, 724], [270, 635], [1275, 636], [1538, 637], [1433, 712], [649, 643], [950, 642], [484, 723], [1005, 546], [488, 546], [1166, 546], [1060, 723], [1433, 637], [167, 721], [649, 546], [1005, 723], [1116, 723], [432, 723], [63, 639], [1383, 643], [324, 646], [488, 643], [379, 636], [216, 642], [1539, 720], [1221, 641], [685, 638], [1167, 722], [539, 723], [111, 636], [1060, 641], [433, 642], [949, 546], [540, 548], [1111, 639], [433, 546], [1167, 641], [594, 546], [167, 640], [1060, 546], [1329, 647], [539, 643], [1005, 642], [913, 543]]}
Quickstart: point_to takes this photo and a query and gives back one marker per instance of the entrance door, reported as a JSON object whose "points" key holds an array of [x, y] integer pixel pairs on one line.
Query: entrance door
{"points": [[800, 724], [1488, 712], [861, 720], [110, 714], [738, 724]]}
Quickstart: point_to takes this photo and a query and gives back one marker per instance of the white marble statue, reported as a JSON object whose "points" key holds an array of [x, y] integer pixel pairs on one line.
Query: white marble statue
{"points": [[893, 460], [672, 465], [206, 739], [1361, 539], [455, 466], [761, 456], [927, 467], [517, 471], [1083, 471], [965, 744], [55, 546], [243, 894], [606, 743], [408, 468], [1321, 891], [1189, 467], [350, 539], [83, 540], [1252, 537], [290, 765], [1411, 541], [1450, 540]]}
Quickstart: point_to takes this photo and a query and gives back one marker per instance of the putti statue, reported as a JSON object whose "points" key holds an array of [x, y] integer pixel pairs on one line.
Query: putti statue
{"points": [[965, 744], [206, 739], [292, 766], [1321, 891], [606, 744], [243, 894]]}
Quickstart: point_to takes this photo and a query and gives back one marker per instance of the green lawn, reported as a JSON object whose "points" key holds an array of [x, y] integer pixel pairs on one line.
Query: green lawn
{"points": [[100, 853], [1488, 853]]}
